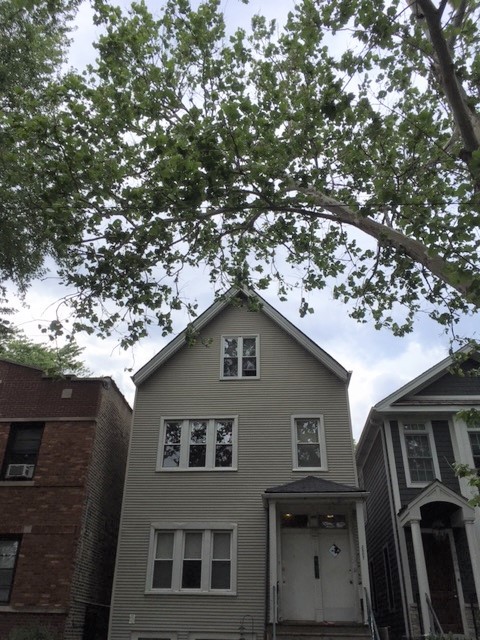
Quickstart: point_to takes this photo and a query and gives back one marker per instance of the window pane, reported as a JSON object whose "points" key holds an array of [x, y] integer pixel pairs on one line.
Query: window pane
{"points": [[230, 347], [162, 574], [198, 432], [220, 574], [223, 455], [164, 545], [8, 553], [26, 439], [171, 456], [193, 544], [224, 431], [308, 455], [230, 367], [249, 366], [249, 347], [173, 431], [421, 470], [192, 574], [221, 545], [307, 430], [198, 455], [418, 446]]}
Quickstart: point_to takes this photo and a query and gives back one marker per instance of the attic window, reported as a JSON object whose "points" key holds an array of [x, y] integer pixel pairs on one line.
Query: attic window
{"points": [[240, 357]]}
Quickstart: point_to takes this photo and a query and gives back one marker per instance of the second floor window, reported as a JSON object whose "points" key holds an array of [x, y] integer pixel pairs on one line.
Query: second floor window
{"points": [[197, 444], [22, 451], [308, 443], [240, 357], [421, 463], [475, 444]]}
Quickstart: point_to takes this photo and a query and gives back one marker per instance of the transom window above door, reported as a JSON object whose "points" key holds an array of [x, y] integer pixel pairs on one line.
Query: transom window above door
{"points": [[308, 443], [197, 444], [240, 357]]}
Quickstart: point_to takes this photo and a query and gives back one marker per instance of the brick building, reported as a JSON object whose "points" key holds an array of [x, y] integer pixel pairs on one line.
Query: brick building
{"points": [[63, 448]]}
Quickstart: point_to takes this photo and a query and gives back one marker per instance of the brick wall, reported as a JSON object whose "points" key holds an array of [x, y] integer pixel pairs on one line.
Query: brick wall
{"points": [[67, 517]]}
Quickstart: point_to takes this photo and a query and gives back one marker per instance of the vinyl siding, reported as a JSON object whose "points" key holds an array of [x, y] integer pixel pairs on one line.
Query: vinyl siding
{"points": [[188, 385], [379, 530]]}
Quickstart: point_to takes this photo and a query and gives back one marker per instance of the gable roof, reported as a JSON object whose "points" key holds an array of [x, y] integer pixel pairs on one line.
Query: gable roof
{"points": [[423, 380], [214, 310], [393, 401]]}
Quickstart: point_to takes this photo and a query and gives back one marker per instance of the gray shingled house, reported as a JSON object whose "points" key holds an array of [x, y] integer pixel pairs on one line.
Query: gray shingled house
{"points": [[242, 512], [423, 536]]}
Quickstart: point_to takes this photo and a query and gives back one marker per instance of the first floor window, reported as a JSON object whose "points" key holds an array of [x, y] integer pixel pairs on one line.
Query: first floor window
{"points": [[419, 455], [308, 443], [197, 444], [8, 557], [193, 560]]}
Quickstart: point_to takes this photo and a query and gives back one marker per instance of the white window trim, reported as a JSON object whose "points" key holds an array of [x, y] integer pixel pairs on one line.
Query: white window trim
{"points": [[470, 430], [180, 527], [184, 445], [322, 442], [154, 635], [427, 431], [257, 352]]}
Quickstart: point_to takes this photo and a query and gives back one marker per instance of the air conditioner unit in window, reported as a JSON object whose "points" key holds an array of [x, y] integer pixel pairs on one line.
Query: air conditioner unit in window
{"points": [[20, 471]]}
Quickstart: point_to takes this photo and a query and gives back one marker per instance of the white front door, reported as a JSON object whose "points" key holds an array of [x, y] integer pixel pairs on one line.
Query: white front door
{"points": [[317, 580]]}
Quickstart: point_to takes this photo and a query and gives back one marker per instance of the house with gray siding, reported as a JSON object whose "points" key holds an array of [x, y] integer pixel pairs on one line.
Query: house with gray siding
{"points": [[242, 513], [423, 536]]}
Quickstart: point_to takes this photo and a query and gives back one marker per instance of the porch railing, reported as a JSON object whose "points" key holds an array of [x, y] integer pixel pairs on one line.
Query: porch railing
{"points": [[371, 618], [436, 627]]}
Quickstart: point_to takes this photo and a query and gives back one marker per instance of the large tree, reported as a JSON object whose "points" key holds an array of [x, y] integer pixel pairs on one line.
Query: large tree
{"points": [[33, 46], [341, 148], [53, 360]]}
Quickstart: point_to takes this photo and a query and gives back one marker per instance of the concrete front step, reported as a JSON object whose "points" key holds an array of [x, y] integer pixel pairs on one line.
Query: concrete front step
{"points": [[312, 631]]}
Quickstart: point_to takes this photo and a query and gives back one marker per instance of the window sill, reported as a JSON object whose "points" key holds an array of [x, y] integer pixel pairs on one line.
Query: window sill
{"points": [[17, 483], [195, 469], [314, 469], [233, 379], [188, 592]]}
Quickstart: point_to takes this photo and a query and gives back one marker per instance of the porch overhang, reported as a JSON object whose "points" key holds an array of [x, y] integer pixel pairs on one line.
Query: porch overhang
{"points": [[435, 492], [313, 488]]}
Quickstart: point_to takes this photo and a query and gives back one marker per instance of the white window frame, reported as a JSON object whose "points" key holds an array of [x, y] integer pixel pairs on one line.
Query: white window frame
{"points": [[428, 431], [321, 441], [185, 444], [179, 529], [472, 429], [240, 339]]}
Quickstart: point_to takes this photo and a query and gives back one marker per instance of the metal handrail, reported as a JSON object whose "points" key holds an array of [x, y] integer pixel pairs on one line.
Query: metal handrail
{"points": [[371, 618], [437, 627]]}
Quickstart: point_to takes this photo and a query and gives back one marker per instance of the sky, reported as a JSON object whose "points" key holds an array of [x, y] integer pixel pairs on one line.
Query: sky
{"points": [[380, 363]]}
